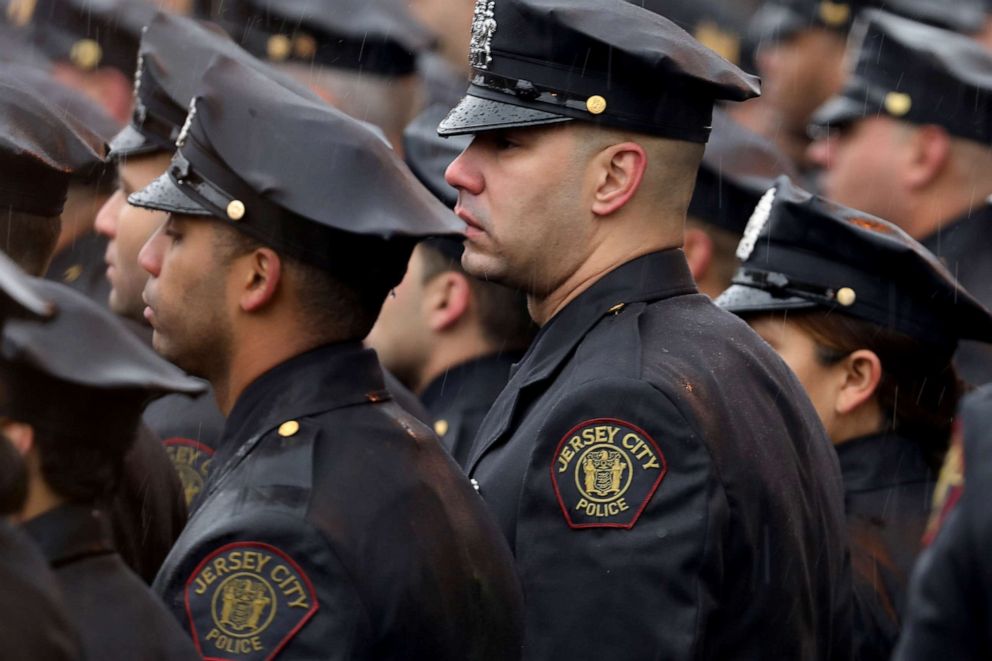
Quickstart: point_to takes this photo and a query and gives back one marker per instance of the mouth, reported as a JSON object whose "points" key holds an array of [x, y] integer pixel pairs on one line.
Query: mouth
{"points": [[148, 313], [473, 227]]}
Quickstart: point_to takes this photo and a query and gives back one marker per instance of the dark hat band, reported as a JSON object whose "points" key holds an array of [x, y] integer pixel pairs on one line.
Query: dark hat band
{"points": [[689, 118]]}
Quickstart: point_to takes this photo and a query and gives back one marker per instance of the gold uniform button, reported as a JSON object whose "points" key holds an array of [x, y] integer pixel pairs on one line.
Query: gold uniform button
{"points": [[846, 296], [72, 273], [289, 428], [616, 309], [441, 427], [278, 47], [834, 13], [596, 104], [86, 54], [898, 104], [236, 210]]}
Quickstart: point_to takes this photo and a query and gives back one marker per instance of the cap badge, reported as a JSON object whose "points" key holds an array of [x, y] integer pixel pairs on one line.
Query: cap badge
{"points": [[184, 131], [19, 12], [834, 13], [235, 210], [596, 104], [86, 54], [845, 296], [755, 224], [140, 111], [278, 47], [304, 46], [898, 104], [725, 44], [483, 29]]}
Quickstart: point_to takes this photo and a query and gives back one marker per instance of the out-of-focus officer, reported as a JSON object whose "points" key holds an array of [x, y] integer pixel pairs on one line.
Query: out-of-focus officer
{"points": [[908, 140], [660, 474], [334, 525]]}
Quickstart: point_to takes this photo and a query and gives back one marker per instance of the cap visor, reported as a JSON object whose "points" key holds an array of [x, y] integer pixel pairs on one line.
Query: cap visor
{"points": [[838, 111], [128, 142], [475, 115], [741, 299], [17, 297], [773, 23], [164, 195]]}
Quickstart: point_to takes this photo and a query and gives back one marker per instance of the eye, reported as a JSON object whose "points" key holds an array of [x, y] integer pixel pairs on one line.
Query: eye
{"points": [[171, 231]]}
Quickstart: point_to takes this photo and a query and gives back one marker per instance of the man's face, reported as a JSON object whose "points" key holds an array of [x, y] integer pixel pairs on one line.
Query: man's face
{"points": [[128, 228], [862, 165], [799, 73], [525, 198], [401, 335], [187, 295]]}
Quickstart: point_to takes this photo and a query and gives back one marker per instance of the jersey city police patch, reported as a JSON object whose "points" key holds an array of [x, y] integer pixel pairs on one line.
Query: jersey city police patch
{"points": [[605, 472], [246, 601], [192, 462]]}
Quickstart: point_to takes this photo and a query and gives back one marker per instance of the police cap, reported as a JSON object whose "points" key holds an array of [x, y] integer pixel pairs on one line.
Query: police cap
{"points": [[800, 251], [91, 33], [781, 19], [719, 26], [293, 173], [39, 152], [915, 73], [81, 357], [606, 61], [372, 36], [174, 53], [738, 166]]}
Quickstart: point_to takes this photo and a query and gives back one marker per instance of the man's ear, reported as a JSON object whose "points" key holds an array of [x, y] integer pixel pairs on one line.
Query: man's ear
{"points": [[446, 300], [930, 151], [20, 434], [619, 170], [862, 373], [260, 273], [698, 249]]}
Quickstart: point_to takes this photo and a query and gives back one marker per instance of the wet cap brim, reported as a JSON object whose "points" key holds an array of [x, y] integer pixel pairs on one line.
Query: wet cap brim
{"points": [[164, 194], [475, 115], [23, 299], [741, 299], [129, 141]]}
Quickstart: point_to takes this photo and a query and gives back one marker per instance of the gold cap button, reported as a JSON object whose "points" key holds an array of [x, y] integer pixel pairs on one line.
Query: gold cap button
{"points": [[596, 104], [236, 210], [441, 427], [897, 103], [278, 47], [305, 46], [846, 296], [86, 54], [834, 13], [289, 428]]}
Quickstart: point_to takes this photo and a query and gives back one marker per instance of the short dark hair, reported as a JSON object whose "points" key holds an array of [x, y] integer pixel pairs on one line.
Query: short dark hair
{"points": [[28, 239], [919, 390], [343, 285], [503, 314]]}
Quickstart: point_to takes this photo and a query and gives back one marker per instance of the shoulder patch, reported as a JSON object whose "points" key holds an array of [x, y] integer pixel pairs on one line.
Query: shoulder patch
{"points": [[246, 601], [604, 473], [192, 461]]}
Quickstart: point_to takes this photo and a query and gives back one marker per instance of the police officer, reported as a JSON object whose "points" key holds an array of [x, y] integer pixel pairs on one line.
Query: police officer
{"points": [[658, 471], [71, 404], [868, 320], [889, 149], [333, 525]]}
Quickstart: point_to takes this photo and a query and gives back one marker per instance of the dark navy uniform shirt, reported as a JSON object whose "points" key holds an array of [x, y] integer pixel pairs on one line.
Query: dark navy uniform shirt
{"points": [[335, 527], [665, 484]]}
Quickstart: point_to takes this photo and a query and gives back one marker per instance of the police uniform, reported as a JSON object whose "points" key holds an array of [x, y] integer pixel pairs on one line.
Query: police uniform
{"points": [[901, 68], [90, 388], [948, 614], [659, 473], [800, 253], [333, 526]]}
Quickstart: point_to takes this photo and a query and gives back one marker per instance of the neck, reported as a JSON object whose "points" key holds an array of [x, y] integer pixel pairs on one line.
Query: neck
{"points": [[932, 213], [449, 355], [544, 307], [40, 499]]}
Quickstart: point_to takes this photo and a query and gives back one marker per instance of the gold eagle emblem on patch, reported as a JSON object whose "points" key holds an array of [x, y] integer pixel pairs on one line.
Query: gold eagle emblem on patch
{"points": [[605, 472], [246, 601]]}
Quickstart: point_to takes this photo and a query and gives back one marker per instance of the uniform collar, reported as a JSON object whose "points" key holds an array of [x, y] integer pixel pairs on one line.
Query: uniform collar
{"points": [[483, 374], [652, 277], [881, 461], [70, 532], [328, 377], [961, 232]]}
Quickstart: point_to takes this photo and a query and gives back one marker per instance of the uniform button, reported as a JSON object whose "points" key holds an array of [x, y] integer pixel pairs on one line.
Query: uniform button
{"points": [[616, 309], [475, 484], [289, 428], [441, 427]]}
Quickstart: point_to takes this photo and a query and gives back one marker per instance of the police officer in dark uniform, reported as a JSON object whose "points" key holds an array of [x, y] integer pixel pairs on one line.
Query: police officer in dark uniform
{"points": [[333, 526], [71, 404], [658, 471], [928, 90], [948, 613], [869, 320]]}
